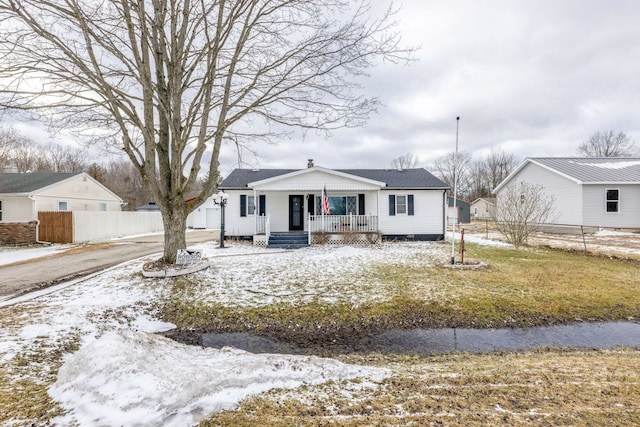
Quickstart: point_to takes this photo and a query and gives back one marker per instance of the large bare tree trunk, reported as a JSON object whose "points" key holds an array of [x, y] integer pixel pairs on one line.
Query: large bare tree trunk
{"points": [[175, 224]]}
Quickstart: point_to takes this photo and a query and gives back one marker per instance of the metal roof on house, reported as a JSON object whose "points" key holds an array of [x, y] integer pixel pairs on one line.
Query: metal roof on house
{"points": [[395, 179], [594, 169], [28, 182]]}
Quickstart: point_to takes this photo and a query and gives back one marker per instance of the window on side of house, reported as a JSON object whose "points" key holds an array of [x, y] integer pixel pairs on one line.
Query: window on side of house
{"points": [[251, 205], [401, 204], [247, 205], [612, 200], [103, 207], [63, 206]]}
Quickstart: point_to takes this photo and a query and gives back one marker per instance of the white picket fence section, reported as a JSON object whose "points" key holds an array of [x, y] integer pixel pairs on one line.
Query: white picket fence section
{"points": [[97, 225]]}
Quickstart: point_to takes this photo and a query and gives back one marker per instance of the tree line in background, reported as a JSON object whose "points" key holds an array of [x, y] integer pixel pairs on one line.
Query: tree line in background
{"points": [[25, 155], [479, 177], [476, 177]]}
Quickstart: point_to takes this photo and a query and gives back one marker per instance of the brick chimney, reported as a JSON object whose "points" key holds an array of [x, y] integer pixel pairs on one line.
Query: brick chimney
{"points": [[310, 163]]}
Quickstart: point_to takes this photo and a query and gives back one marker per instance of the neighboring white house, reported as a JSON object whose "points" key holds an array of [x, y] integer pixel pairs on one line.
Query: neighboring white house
{"points": [[482, 207], [23, 195], [396, 204], [599, 192]]}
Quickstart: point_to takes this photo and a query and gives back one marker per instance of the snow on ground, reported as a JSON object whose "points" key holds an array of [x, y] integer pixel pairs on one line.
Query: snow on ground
{"points": [[9, 255], [134, 379], [153, 369]]}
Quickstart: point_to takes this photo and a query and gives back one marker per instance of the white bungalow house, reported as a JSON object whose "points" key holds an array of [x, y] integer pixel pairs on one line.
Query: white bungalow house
{"points": [[23, 195], [331, 206], [597, 192]]}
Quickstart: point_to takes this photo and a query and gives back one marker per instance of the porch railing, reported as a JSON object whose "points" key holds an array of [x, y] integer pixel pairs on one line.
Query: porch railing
{"points": [[343, 223], [263, 225]]}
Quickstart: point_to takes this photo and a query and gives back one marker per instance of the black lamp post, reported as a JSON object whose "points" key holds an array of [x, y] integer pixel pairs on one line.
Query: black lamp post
{"points": [[221, 199]]}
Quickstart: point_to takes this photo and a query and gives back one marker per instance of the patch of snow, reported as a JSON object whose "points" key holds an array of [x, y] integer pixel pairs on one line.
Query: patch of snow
{"points": [[605, 232], [139, 379], [17, 254], [478, 239], [611, 165]]}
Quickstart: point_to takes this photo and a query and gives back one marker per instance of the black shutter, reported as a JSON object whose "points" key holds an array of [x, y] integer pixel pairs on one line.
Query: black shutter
{"points": [[311, 202], [243, 205], [263, 205], [410, 204], [392, 205], [361, 204]]}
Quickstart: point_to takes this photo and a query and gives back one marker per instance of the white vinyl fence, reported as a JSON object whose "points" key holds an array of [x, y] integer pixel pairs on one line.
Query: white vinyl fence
{"points": [[96, 225]]}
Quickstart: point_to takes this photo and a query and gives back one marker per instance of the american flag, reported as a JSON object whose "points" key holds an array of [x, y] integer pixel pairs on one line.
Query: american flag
{"points": [[325, 202]]}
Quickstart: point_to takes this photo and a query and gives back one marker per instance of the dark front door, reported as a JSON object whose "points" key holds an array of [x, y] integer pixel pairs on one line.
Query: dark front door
{"points": [[296, 213]]}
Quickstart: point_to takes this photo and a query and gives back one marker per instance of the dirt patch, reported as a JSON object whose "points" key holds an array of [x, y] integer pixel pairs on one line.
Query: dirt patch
{"points": [[621, 244]]}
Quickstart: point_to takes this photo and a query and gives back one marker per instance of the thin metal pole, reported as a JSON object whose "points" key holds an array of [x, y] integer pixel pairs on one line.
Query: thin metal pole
{"points": [[455, 196], [222, 206]]}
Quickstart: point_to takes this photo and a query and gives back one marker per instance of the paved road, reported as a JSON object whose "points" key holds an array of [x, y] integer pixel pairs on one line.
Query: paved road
{"points": [[17, 279]]}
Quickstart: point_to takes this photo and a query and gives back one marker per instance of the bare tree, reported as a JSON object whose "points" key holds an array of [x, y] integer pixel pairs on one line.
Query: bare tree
{"points": [[168, 81], [122, 177], [10, 144], [607, 144], [407, 161], [521, 208], [498, 165], [447, 167]]}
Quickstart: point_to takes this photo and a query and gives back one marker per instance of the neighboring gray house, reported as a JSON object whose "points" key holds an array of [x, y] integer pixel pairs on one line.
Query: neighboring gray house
{"points": [[402, 204], [482, 208], [600, 192]]}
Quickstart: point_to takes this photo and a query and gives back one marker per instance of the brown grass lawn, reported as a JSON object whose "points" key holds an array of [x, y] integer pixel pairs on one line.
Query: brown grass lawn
{"points": [[545, 388], [514, 288]]}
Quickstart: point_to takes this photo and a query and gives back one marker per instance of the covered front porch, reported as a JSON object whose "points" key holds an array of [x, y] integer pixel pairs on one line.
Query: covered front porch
{"points": [[321, 229]]}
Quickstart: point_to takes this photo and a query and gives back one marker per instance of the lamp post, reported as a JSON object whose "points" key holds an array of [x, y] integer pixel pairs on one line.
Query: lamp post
{"points": [[220, 198]]}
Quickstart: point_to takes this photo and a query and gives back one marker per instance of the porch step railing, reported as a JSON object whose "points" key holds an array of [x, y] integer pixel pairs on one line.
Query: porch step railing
{"points": [[263, 225], [343, 223]]}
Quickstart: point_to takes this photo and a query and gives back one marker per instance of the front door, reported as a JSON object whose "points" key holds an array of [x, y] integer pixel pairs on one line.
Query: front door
{"points": [[296, 213]]}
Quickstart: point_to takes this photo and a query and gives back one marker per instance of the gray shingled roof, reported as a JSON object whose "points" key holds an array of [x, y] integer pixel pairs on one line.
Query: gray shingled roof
{"points": [[28, 182], [395, 179], [596, 169]]}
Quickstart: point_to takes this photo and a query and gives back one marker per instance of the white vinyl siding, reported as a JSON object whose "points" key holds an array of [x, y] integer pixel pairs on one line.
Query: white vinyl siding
{"points": [[17, 209], [428, 218], [595, 209], [81, 193], [566, 192]]}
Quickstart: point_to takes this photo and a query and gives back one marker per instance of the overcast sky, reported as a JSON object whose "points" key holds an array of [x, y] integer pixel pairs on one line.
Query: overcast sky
{"points": [[532, 77]]}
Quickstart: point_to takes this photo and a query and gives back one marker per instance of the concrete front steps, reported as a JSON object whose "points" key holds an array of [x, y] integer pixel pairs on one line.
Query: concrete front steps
{"points": [[289, 240]]}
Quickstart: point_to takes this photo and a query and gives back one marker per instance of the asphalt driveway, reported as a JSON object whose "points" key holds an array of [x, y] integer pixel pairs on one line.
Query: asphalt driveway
{"points": [[30, 275]]}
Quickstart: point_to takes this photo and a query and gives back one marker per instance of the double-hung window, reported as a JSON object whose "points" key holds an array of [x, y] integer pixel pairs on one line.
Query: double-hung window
{"points": [[612, 200], [247, 205], [401, 204]]}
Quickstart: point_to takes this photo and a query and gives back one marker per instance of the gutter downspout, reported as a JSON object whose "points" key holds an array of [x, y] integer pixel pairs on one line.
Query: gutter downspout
{"points": [[35, 215], [445, 209]]}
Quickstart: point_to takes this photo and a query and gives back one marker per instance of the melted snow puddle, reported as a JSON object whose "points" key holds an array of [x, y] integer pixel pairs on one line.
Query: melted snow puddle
{"points": [[600, 335]]}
